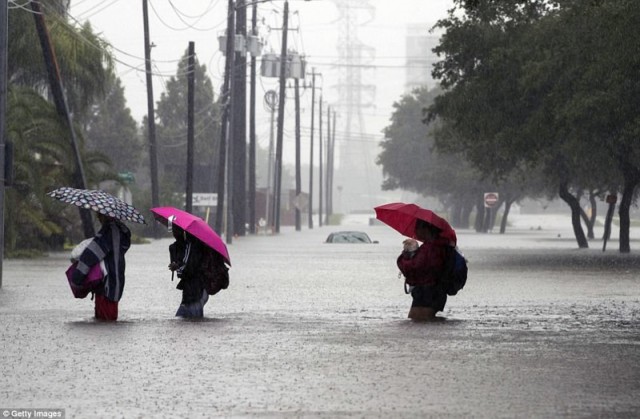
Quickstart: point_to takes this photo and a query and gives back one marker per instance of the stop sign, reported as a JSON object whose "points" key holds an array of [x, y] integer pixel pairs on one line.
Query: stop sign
{"points": [[490, 199]]}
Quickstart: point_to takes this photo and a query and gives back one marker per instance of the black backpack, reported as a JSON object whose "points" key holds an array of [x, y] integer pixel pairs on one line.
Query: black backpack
{"points": [[454, 276], [214, 272]]}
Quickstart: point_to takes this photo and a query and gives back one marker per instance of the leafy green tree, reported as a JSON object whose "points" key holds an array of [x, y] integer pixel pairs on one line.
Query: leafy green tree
{"points": [[171, 113], [42, 162], [111, 130], [409, 161], [42, 147], [601, 89], [83, 57], [522, 78]]}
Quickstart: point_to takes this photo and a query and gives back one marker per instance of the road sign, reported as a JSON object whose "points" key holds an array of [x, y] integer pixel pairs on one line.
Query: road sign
{"points": [[490, 199], [301, 201], [204, 199], [271, 99]]}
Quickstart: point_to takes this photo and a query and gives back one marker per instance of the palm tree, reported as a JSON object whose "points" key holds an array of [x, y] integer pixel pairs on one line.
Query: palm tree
{"points": [[43, 157]]}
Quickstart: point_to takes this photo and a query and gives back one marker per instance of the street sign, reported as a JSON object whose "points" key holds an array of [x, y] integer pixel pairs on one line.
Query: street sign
{"points": [[271, 99], [490, 199], [301, 201], [204, 199]]}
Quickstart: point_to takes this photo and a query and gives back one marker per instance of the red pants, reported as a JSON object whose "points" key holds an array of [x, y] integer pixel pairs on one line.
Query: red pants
{"points": [[106, 309]]}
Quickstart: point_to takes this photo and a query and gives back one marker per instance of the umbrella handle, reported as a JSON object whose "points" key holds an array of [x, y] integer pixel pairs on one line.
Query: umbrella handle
{"points": [[172, 273]]}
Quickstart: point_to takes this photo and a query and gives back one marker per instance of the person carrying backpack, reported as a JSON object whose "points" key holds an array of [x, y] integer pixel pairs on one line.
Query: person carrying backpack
{"points": [[109, 245], [186, 256], [423, 268]]}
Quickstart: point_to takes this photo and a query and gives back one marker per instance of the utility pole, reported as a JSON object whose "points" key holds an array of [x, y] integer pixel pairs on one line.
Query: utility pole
{"points": [[252, 128], [238, 189], [320, 163], [328, 174], [229, 229], [4, 54], [331, 169], [151, 119], [226, 99], [270, 98], [296, 82], [190, 135], [60, 102], [313, 104], [281, 111]]}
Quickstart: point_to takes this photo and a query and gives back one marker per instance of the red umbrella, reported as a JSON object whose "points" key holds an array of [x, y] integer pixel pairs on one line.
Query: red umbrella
{"points": [[195, 226], [402, 218]]}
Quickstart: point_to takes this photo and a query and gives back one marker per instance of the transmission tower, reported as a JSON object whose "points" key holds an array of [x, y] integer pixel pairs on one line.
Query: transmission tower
{"points": [[355, 160]]}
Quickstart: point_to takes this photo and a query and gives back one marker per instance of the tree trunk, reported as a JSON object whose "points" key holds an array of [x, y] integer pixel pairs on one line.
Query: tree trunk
{"points": [[594, 210], [479, 223], [505, 216], [456, 215], [630, 184], [607, 221], [466, 215], [494, 214], [587, 222], [584, 216], [573, 203]]}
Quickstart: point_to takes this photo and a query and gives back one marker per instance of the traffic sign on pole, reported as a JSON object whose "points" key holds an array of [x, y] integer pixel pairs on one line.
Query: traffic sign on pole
{"points": [[490, 199]]}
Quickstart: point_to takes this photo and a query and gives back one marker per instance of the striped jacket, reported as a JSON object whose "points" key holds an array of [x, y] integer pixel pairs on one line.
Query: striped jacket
{"points": [[111, 243]]}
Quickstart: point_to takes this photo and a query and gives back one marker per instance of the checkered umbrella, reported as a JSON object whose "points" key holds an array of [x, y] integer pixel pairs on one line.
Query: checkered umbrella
{"points": [[98, 201]]}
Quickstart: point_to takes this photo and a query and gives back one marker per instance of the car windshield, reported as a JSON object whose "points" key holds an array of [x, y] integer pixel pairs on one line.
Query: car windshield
{"points": [[349, 237]]}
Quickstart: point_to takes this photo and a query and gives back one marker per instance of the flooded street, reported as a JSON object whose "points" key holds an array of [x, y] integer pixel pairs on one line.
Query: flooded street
{"points": [[308, 329]]}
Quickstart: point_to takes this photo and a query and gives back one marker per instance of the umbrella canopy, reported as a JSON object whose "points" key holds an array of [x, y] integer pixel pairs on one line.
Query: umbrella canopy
{"points": [[195, 226], [402, 218], [98, 201]]}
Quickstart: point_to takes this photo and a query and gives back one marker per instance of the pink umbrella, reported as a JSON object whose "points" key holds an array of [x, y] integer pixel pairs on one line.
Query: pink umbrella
{"points": [[402, 218], [195, 226]]}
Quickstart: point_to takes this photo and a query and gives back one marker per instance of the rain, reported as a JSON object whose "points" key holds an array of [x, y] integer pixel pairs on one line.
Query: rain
{"points": [[313, 329], [521, 140]]}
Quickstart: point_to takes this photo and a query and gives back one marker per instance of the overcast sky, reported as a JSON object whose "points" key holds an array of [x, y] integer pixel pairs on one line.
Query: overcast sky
{"points": [[173, 24]]}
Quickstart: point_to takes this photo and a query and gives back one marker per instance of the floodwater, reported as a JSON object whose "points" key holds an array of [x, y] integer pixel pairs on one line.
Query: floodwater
{"points": [[309, 329]]}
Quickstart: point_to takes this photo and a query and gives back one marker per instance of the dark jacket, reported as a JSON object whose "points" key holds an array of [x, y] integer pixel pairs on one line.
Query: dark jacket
{"points": [[188, 254], [111, 243], [424, 266]]}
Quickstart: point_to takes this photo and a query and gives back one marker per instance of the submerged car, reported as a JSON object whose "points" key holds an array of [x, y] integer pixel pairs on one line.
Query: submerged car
{"points": [[349, 237]]}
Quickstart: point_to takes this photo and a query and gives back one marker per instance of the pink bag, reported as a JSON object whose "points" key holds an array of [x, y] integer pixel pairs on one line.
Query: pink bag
{"points": [[91, 282]]}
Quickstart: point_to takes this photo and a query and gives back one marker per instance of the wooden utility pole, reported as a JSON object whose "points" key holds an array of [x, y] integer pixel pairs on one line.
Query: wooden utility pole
{"points": [[229, 225], [281, 111], [60, 102], [151, 119], [238, 189], [296, 82], [313, 103], [190, 122], [328, 174], [4, 54], [271, 98], [252, 128], [320, 163], [331, 170], [226, 102]]}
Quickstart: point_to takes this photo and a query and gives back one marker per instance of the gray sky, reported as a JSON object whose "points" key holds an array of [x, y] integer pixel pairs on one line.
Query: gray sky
{"points": [[173, 24]]}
